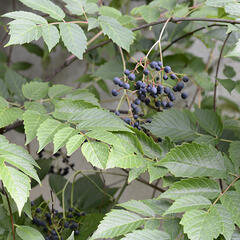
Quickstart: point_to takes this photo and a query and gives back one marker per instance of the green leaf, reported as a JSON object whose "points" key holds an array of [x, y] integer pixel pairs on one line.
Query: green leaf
{"points": [[35, 90], [187, 203], [226, 222], [17, 184], [228, 84], [96, 153], [234, 152], [23, 31], [233, 8], [45, 6], [120, 35], [138, 207], [203, 80], [9, 116], [90, 119], [206, 139], [135, 173], [3, 103], [50, 36], [23, 15], [174, 124], [218, 3], [229, 71], [71, 237], [32, 121], [46, 132], [34, 49], [73, 38], [235, 52], [149, 14], [62, 137], [198, 225], [146, 234], [21, 66], [74, 143], [192, 186], [117, 223], [169, 5], [58, 90], [172, 227], [194, 160], [26, 232], [156, 172], [92, 23], [110, 12], [230, 201], [209, 121]]}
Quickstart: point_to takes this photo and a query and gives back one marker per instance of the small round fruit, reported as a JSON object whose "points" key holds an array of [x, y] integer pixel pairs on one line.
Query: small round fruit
{"points": [[137, 101], [127, 72], [116, 80], [165, 77], [153, 64], [127, 120], [167, 69], [117, 113], [167, 90], [114, 92], [185, 79], [145, 71], [180, 86], [126, 86], [131, 77], [184, 95], [173, 76]]}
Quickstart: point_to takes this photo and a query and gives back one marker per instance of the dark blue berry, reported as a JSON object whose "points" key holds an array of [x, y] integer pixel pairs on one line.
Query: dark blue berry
{"points": [[158, 103], [70, 215], [171, 96], [169, 104], [147, 101], [184, 95], [53, 232], [117, 113], [116, 80], [76, 232], [70, 209], [175, 89], [153, 64], [38, 210], [165, 77], [149, 120], [137, 101], [158, 68], [120, 84], [32, 203], [127, 120], [180, 86], [185, 79], [167, 69], [154, 90], [145, 71], [149, 88], [173, 76], [47, 238], [159, 139], [136, 124], [126, 86], [164, 104], [66, 224], [74, 226], [133, 106], [114, 92], [135, 116], [139, 84], [160, 89], [167, 90], [136, 110], [160, 64], [131, 77], [127, 72]]}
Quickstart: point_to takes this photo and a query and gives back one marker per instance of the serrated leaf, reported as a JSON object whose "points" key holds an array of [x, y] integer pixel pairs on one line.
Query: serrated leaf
{"points": [[192, 186], [147, 234], [32, 121], [71, 237], [3, 103], [17, 184], [206, 139], [46, 132], [198, 225], [172, 123], [233, 8], [226, 222], [230, 201], [138, 207], [9, 116], [110, 12], [218, 3], [74, 143], [194, 160], [26, 232], [23, 31], [58, 90], [187, 203], [156, 172], [73, 38], [135, 173], [92, 23], [26, 16], [62, 136], [120, 35], [45, 6], [96, 153], [209, 121], [117, 223], [35, 107], [234, 152], [149, 14], [35, 90], [90, 119], [228, 84], [235, 52], [50, 36], [172, 227]]}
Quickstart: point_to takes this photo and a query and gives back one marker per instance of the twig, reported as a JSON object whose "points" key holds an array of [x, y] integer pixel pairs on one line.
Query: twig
{"points": [[122, 190], [51, 192], [11, 127], [217, 71], [154, 190], [10, 211]]}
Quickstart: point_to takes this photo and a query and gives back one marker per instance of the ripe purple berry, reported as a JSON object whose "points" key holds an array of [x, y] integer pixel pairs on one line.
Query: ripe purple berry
{"points": [[116, 80], [167, 69], [173, 76], [180, 86], [167, 90], [184, 95], [153, 64], [114, 92], [185, 79], [126, 86], [165, 77], [131, 77], [127, 72], [145, 71]]}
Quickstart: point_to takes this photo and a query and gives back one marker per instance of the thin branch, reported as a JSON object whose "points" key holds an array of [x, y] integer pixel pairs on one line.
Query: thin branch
{"points": [[217, 71], [11, 127], [10, 211]]}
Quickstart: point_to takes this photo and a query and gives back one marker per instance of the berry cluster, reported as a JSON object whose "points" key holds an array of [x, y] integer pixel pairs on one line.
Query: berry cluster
{"points": [[53, 224], [149, 87]]}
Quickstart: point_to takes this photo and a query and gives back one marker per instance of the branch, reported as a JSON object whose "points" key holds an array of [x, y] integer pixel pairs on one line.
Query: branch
{"points": [[217, 71], [11, 127]]}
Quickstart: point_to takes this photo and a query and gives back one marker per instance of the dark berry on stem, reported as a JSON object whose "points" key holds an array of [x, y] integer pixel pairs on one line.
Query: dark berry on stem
{"points": [[131, 77], [137, 101], [165, 77], [153, 64], [147, 101], [180, 86], [169, 104], [159, 139], [70, 209], [167, 69], [127, 120], [126, 86], [76, 232], [175, 89], [158, 103], [139, 84], [149, 120], [164, 104], [135, 116], [167, 90], [120, 84], [160, 64], [38, 210], [114, 92], [117, 113], [127, 72], [66, 224], [158, 68], [160, 89], [145, 71], [185, 79], [184, 95], [116, 80], [154, 90], [173, 76], [171, 96]]}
